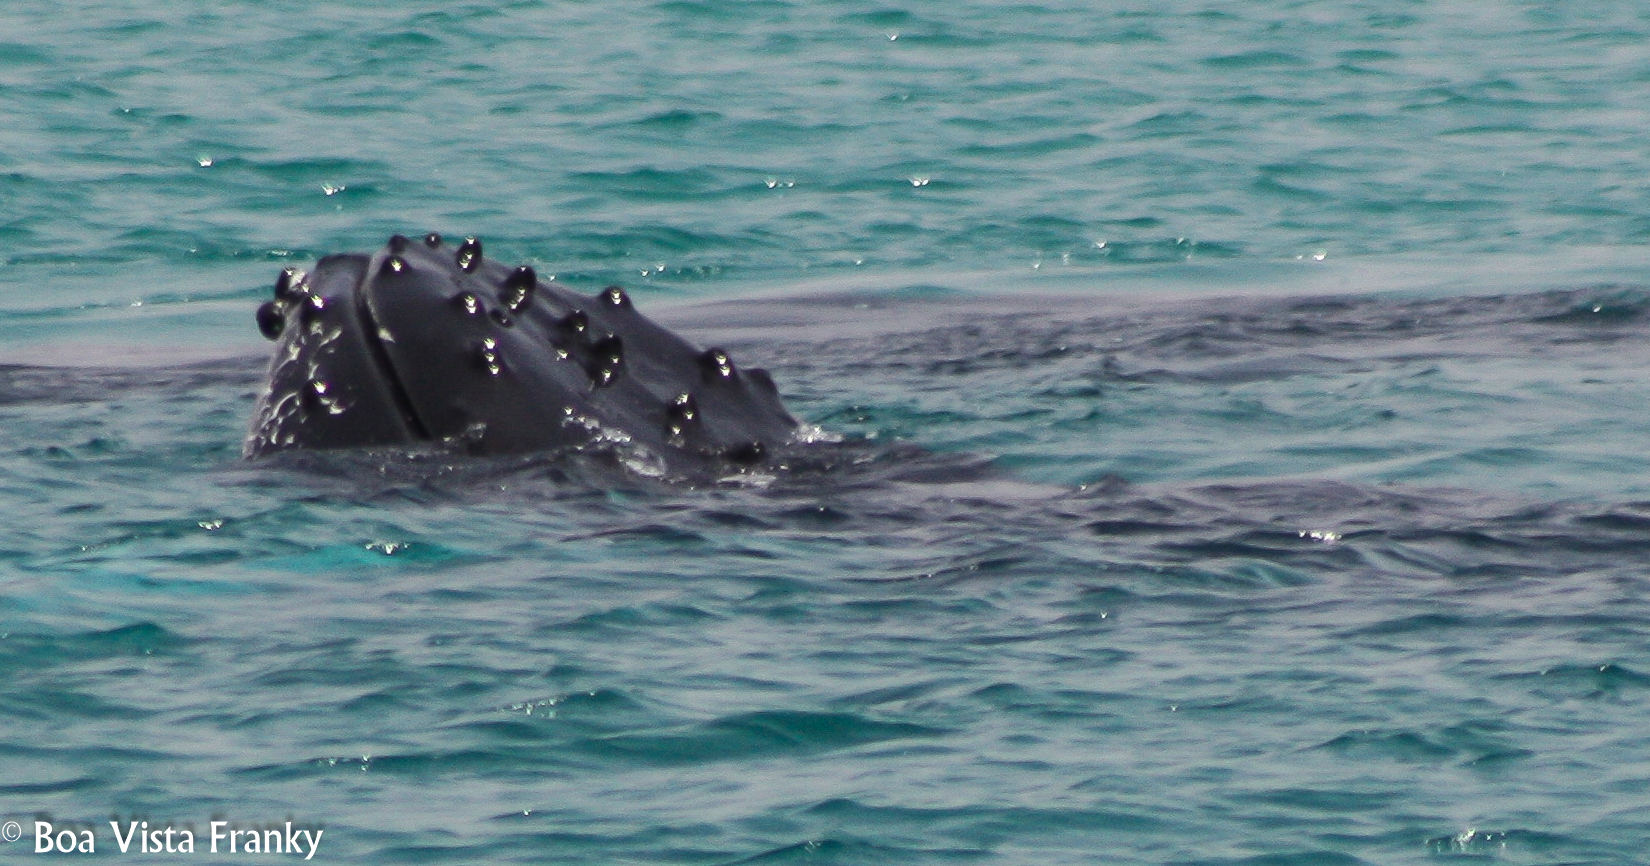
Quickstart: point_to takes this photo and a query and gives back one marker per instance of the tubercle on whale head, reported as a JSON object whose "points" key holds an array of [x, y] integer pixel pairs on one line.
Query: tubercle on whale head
{"points": [[519, 288], [468, 257], [716, 366], [421, 344], [290, 288]]}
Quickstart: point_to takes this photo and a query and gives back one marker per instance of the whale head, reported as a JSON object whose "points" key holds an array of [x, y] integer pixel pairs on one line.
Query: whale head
{"points": [[430, 343]]}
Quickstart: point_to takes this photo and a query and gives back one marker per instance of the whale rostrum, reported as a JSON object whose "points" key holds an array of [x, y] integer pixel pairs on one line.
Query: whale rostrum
{"points": [[428, 343]]}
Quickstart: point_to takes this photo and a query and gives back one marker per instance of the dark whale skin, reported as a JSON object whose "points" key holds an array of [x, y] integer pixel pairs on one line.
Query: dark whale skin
{"points": [[427, 343]]}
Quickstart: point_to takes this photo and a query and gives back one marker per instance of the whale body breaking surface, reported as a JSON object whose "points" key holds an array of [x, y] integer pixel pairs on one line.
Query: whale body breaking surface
{"points": [[430, 343]]}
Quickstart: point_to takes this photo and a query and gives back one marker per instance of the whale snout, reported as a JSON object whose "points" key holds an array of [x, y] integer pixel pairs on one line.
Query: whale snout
{"points": [[425, 341]]}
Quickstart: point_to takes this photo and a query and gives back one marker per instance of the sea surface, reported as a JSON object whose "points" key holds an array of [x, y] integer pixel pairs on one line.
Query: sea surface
{"points": [[1235, 446]]}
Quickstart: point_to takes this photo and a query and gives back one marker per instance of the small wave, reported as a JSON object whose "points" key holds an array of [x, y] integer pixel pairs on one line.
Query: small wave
{"points": [[766, 733]]}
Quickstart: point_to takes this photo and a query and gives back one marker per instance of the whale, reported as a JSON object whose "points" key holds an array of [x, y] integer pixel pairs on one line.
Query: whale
{"points": [[430, 344]]}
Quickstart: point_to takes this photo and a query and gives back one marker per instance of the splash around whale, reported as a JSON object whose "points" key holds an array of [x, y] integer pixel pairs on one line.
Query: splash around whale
{"points": [[426, 343]]}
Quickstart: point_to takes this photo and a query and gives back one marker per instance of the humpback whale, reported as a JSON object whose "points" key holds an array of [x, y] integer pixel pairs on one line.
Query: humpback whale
{"points": [[428, 343]]}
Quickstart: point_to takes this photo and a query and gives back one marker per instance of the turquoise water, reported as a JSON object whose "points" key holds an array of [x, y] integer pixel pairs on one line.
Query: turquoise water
{"points": [[1243, 462]]}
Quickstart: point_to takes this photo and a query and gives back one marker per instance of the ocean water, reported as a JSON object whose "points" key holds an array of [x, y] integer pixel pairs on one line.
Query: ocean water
{"points": [[1243, 451]]}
